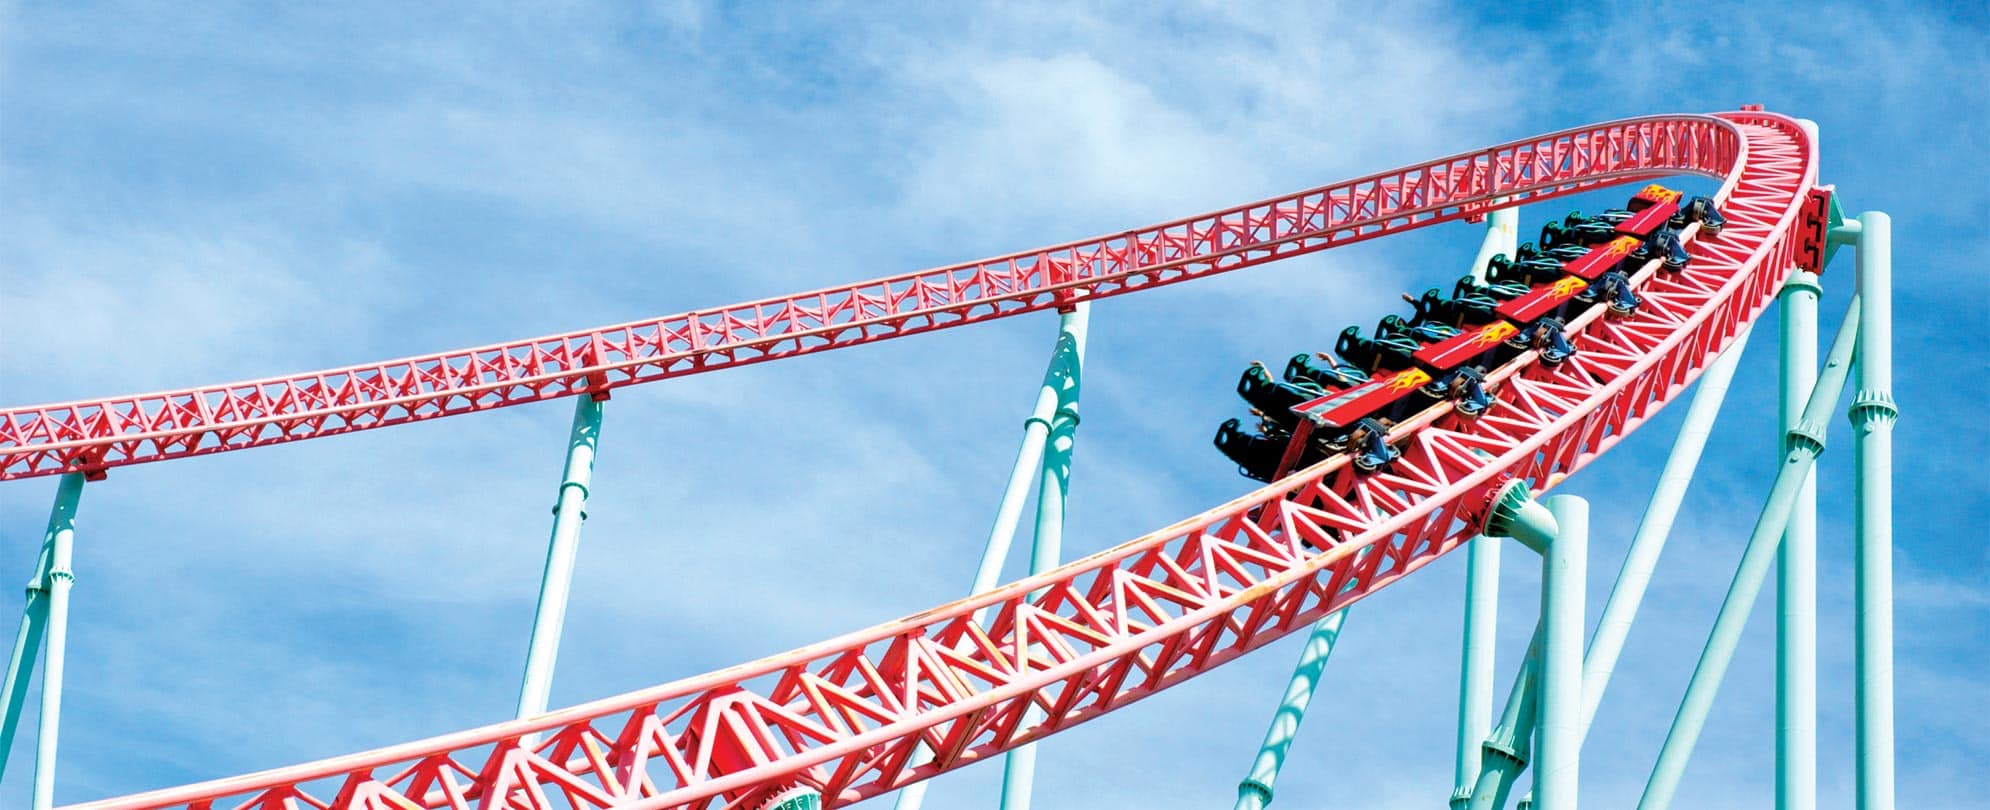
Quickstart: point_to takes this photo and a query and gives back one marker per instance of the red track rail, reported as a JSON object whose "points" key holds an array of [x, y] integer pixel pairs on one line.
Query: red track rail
{"points": [[845, 716], [93, 435]]}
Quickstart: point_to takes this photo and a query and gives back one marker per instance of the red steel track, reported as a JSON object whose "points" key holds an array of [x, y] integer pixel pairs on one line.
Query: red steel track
{"points": [[92, 435], [845, 716]]}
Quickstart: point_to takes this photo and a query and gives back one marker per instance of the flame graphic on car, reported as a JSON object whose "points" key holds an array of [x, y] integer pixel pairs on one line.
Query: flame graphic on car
{"points": [[1658, 193], [1494, 334], [1408, 379]]}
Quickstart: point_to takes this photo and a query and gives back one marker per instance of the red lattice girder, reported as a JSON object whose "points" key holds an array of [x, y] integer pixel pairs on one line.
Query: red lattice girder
{"points": [[93, 435], [846, 716]]}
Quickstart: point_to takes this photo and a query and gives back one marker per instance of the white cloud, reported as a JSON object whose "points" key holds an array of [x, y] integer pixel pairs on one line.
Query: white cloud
{"points": [[348, 183], [93, 300]]}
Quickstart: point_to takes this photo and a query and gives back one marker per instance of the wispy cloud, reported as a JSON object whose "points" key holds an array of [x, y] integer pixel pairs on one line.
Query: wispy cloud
{"points": [[200, 196]]}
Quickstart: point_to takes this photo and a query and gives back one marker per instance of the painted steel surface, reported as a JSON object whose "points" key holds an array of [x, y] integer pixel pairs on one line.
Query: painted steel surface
{"points": [[1542, 300], [845, 716], [1347, 407], [1465, 345], [94, 435], [1601, 258]]}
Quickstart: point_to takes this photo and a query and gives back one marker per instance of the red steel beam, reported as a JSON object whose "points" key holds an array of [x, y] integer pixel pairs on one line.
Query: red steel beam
{"points": [[94, 435]]}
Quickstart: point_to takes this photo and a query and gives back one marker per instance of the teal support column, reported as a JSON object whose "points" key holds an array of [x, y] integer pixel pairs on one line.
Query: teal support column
{"points": [[1254, 793], [1506, 751], [1564, 573], [1514, 513], [1060, 381], [21, 665], [1054, 485], [1502, 237], [1796, 571], [1061, 374], [1806, 442], [569, 512], [1796, 568], [56, 544], [1873, 414], [1621, 608], [1475, 680], [34, 617], [1019, 767]]}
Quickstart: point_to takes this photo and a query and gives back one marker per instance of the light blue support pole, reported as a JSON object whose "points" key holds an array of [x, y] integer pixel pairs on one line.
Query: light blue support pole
{"points": [[1654, 528], [1600, 662], [1873, 415], [1511, 743], [1055, 483], [1019, 768], [34, 618], [21, 665], [1796, 569], [56, 545], [1806, 441], [569, 512], [1254, 793], [1506, 750], [1475, 680], [1564, 571], [1796, 572], [1066, 358], [1502, 237]]}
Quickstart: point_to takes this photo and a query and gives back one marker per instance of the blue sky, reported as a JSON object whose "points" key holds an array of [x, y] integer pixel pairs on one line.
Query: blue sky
{"points": [[194, 196]]}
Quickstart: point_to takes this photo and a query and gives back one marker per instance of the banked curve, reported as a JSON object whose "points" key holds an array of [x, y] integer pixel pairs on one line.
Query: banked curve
{"points": [[846, 715]]}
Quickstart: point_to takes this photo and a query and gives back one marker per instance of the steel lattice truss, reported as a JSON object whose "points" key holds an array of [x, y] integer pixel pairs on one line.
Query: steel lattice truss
{"points": [[847, 715], [93, 435]]}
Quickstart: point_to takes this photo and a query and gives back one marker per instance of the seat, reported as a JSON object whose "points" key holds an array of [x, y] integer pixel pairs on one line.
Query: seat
{"points": [[1256, 455]]}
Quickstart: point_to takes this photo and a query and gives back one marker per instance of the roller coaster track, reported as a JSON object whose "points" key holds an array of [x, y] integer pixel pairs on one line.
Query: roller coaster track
{"points": [[845, 716]]}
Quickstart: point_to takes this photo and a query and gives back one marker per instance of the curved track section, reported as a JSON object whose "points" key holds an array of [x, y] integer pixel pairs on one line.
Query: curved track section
{"points": [[845, 716], [93, 435]]}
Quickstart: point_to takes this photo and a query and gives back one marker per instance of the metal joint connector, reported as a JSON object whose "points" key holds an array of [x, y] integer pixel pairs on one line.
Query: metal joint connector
{"points": [[1253, 787], [1494, 746], [583, 500], [1871, 409], [1037, 420], [1802, 282], [1806, 435], [799, 797], [1511, 511]]}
